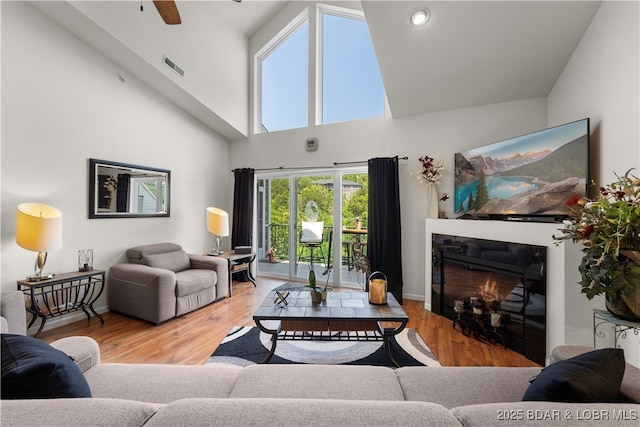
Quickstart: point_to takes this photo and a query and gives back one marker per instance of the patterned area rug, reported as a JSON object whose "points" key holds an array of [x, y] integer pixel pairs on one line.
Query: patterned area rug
{"points": [[245, 345]]}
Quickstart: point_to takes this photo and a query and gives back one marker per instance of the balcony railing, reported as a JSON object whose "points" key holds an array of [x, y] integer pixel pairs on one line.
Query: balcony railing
{"points": [[278, 235]]}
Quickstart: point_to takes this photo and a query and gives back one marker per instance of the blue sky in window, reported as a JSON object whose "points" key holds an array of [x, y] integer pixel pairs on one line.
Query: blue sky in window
{"points": [[352, 86], [285, 84]]}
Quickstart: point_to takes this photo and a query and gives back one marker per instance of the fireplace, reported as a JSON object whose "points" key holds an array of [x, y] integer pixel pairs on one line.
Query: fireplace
{"points": [[494, 289]]}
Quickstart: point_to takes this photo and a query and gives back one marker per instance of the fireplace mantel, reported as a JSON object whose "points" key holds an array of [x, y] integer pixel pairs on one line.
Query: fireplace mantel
{"points": [[562, 266]]}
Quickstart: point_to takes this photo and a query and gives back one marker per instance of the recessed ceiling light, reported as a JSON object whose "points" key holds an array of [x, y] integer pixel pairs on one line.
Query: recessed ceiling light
{"points": [[419, 16]]}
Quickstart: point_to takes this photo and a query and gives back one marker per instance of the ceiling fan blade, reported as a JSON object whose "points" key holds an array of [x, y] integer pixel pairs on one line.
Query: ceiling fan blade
{"points": [[168, 11]]}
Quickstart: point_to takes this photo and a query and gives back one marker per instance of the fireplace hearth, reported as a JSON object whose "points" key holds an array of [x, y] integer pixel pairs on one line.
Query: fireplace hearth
{"points": [[494, 290]]}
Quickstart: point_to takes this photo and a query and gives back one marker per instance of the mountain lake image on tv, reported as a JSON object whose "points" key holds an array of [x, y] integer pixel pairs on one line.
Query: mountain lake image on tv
{"points": [[531, 175]]}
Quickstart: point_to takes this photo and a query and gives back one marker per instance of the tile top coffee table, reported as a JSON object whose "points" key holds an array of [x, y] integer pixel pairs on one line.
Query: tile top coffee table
{"points": [[342, 311]]}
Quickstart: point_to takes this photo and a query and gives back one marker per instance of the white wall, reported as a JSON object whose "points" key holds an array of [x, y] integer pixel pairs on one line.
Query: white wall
{"points": [[601, 81], [215, 62], [63, 103]]}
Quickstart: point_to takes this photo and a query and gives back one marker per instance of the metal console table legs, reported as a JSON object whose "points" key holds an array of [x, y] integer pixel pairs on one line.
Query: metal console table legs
{"points": [[65, 293]]}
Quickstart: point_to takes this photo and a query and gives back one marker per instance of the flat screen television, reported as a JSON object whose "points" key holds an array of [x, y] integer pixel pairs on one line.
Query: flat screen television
{"points": [[529, 177]]}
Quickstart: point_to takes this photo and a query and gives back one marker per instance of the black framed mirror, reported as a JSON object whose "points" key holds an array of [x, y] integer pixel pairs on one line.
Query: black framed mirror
{"points": [[121, 190]]}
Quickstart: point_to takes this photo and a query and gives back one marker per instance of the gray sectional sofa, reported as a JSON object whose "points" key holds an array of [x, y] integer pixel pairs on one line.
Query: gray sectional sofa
{"points": [[292, 395]]}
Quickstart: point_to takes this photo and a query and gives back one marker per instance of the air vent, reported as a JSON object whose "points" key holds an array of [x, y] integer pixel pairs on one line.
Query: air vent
{"points": [[169, 63]]}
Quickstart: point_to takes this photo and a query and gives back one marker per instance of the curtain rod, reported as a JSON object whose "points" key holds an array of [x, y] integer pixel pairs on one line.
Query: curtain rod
{"points": [[282, 168], [364, 161], [279, 168]]}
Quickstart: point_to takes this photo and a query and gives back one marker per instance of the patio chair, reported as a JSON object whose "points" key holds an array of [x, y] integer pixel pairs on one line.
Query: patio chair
{"points": [[311, 238], [361, 262]]}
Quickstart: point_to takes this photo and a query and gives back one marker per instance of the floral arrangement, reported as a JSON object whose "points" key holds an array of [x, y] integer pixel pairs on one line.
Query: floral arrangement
{"points": [[110, 183], [609, 229], [431, 171]]}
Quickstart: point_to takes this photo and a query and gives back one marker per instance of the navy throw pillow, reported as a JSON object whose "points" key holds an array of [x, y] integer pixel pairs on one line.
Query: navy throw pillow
{"points": [[587, 378], [32, 369]]}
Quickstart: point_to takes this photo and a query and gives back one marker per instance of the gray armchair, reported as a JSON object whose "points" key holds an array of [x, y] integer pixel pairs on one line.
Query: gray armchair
{"points": [[161, 281]]}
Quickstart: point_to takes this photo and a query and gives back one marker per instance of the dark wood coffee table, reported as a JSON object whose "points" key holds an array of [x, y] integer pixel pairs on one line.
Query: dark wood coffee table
{"points": [[342, 311]]}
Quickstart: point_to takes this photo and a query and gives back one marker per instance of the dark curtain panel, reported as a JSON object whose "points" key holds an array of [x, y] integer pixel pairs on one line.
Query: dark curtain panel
{"points": [[243, 193], [122, 193], [384, 244], [104, 195]]}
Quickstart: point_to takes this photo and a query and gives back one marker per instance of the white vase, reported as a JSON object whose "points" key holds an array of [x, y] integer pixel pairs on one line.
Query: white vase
{"points": [[112, 201], [432, 201]]}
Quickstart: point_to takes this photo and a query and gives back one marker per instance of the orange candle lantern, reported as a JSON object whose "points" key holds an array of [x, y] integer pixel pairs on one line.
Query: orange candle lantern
{"points": [[377, 288]]}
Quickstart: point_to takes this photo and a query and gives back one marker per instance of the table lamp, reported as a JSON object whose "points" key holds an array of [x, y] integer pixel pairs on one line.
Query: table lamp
{"points": [[39, 229], [217, 224]]}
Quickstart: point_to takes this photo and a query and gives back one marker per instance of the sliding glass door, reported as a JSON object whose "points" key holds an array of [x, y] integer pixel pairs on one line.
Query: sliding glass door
{"points": [[314, 225], [304, 224], [354, 213], [273, 226]]}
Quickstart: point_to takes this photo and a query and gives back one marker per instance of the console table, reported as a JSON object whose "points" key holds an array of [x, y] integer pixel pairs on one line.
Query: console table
{"points": [[65, 293], [620, 326]]}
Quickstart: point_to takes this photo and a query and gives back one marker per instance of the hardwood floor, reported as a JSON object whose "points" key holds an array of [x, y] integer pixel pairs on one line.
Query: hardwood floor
{"points": [[192, 338]]}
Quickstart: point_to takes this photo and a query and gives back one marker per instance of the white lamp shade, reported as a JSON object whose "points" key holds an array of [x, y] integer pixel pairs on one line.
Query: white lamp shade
{"points": [[217, 222], [38, 227]]}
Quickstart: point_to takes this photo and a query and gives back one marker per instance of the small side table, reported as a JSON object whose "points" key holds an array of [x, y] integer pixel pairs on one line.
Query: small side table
{"points": [[620, 326], [238, 263], [65, 293]]}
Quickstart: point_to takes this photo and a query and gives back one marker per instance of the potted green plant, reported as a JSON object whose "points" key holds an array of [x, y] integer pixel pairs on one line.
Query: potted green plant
{"points": [[609, 230], [316, 293]]}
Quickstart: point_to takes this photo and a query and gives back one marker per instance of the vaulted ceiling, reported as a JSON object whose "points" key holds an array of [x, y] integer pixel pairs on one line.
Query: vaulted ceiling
{"points": [[473, 52], [470, 53]]}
